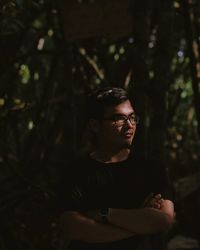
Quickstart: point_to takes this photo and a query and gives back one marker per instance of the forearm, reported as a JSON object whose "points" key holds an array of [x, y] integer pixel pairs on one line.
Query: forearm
{"points": [[77, 226], [141, 221]]}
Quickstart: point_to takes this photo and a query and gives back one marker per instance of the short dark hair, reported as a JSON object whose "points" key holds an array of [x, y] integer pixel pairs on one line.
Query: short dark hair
{"points": [[99, 100]]}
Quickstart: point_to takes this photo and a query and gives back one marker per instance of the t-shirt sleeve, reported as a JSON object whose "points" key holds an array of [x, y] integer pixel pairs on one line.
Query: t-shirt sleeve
{"points": [[71, 190], [160, 180]]}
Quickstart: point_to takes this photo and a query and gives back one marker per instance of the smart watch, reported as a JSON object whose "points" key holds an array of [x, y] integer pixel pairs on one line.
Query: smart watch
{"points": [[104, 212]]}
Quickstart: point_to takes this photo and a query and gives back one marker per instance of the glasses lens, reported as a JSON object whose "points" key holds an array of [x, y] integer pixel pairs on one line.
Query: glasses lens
{"points": [[120, 120], [133, 119]]}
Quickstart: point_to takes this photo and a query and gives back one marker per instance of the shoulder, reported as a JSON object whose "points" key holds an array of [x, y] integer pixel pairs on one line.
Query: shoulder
{"points": [[142, 160], [76, 163], [155, 162], [81, 167], [150, 164]]}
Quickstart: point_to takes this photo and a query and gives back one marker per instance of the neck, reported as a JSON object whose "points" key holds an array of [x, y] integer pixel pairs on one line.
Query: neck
{"points": [[110, 157]]}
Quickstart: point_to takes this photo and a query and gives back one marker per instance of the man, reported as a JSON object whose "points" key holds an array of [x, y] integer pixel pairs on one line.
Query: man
{"points": [[115, 199]]}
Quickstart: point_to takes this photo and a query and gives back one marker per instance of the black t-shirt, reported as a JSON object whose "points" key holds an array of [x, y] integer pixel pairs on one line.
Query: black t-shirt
{"points": [[93, 185]]}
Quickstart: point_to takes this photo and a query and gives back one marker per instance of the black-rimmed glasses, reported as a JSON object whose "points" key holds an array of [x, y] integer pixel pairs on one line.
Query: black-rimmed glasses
{"points": [[120, 120]]}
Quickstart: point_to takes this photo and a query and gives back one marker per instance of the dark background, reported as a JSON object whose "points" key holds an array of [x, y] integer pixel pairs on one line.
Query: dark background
{"points": [[51, 54]]}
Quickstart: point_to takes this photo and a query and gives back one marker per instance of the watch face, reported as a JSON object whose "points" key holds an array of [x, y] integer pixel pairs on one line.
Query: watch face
{"points": [[104, 211], [104, 214]]}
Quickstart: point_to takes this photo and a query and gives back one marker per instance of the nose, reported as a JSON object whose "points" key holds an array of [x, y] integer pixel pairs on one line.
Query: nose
{"points": [[129, 123]]}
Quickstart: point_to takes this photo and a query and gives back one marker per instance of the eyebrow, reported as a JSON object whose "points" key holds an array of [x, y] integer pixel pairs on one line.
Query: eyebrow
{"points": [[119, 114]]}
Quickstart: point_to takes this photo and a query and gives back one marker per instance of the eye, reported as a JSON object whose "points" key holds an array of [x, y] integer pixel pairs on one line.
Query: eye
{"points": [[132, 116], [119, 118]]}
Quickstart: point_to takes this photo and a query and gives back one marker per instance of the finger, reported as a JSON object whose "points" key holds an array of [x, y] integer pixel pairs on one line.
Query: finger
{"points": [[160, 201], [157, 205], [156, 201], [158, 196]]}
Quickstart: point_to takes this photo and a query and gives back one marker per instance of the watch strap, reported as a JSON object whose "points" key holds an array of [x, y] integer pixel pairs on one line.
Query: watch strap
{"points": [[104, 212]]}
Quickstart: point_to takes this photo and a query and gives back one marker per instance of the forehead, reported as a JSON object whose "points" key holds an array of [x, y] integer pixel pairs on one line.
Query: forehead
{"points": [[124, 108]]}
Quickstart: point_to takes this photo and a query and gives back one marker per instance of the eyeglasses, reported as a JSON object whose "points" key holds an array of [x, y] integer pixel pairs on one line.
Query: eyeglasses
{"points": [[120, 120]]}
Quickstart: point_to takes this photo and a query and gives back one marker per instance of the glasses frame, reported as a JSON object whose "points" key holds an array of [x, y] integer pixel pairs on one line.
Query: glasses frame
{"points": [[122, 122]]}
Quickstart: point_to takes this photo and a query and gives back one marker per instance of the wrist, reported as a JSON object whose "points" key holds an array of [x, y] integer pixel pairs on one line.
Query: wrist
{"points": [[105, 214]]}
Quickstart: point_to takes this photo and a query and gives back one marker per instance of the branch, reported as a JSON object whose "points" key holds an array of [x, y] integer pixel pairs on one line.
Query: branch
{"points": [[98, 71]]}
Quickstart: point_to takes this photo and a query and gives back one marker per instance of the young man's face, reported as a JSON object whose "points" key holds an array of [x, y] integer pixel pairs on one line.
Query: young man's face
{"points": [[117, 128]]}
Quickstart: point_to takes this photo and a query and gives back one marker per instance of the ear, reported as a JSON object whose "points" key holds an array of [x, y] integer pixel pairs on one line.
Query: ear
{"points": [[94, 125]]}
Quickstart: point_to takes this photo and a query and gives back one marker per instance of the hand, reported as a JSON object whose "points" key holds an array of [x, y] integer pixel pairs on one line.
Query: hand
{"points": [[153, 201], [167, 207], [157, 202]]}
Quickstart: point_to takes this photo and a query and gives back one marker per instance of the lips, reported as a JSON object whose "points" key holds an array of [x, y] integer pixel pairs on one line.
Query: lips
{"points": [[128, 135]]}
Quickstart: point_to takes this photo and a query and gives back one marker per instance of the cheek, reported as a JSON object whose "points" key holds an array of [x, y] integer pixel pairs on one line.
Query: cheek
{"points": [[115, 134], [109, 133]]}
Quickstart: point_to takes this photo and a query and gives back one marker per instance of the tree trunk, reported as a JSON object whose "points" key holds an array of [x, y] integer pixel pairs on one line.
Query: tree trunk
{"points": [[193, 54], [160, 82]]}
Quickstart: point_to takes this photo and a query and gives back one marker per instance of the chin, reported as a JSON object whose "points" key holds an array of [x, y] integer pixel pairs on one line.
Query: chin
{"points": [[127, 144], [129, 141]]}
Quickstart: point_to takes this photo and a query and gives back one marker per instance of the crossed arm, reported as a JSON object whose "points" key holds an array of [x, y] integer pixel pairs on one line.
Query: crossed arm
{"points": [[123, 223], [144, 220], [78, 226]]}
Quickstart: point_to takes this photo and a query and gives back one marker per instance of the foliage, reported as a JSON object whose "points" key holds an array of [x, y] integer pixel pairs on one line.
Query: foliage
{"points": [[44, 80]]}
